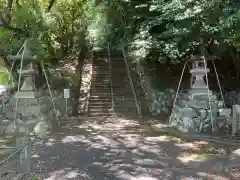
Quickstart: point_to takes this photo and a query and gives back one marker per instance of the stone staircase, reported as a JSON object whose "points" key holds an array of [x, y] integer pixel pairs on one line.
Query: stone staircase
{"points": [[100, 101], [124, 104], [110, 91]]}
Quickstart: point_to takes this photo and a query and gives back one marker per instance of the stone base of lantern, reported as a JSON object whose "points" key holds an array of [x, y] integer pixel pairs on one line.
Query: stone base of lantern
{"points": [[192, 112], [34, 112], [199, 91], [33, 106], [27, 94]]}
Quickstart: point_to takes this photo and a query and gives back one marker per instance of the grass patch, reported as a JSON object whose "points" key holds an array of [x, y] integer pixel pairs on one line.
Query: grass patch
{"points": [[4, 78]]}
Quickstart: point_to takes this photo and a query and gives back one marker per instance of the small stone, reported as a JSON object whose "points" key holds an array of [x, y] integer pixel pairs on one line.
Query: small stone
{"points": [[187, 122], [182, 129], [159, 111], [171, 91], [41, 129], [226, 112], [42, 117], [165, 110]]}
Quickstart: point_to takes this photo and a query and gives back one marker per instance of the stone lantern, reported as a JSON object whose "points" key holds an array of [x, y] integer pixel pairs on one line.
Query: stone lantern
{"points": [[32, 107], [198, 85], [28, 88]]}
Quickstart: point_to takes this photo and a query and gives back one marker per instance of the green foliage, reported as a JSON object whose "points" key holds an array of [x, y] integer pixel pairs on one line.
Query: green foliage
{"points": [[52, 34], [4, 78], [169, 31], [166, 31]]}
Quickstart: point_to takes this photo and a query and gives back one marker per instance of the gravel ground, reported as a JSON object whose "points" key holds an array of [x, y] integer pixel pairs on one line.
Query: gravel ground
{"points": [[118, 149]]}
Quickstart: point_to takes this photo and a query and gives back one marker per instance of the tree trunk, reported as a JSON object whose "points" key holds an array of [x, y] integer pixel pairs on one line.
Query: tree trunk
{"points": [[81, 57]]}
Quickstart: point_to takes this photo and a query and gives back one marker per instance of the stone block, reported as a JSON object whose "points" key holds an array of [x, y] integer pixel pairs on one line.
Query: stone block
{"points": [[200, 91], [202, 113], [235, 119], [226, 112], [182, 103], [204, 97], [31, 110], [41, 128], [213, 112], [189, 112], [28, 101], [220, 105], [220, 121], [3, 125], [27, 94], [197, 104], [196, 122]]}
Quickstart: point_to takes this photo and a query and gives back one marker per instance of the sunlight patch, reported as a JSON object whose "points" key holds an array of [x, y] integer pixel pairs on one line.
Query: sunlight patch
{"points": [[107, 141], [56, 175], [157, 139], [49, 143], [143, 178], [150, 162], [150, 148], [67, 173], [97, 163], [78, 138], [211, 176], [73, 174], [187, 146], [195, 157], [35, 156]]}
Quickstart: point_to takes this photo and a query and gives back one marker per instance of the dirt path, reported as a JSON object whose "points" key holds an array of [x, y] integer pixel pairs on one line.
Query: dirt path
{"points": [[123, 149]]}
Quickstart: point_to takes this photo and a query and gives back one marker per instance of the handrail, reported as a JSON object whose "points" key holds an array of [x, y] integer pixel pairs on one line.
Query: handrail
{"points": [[110, 71], [21, 152], [4, 161], [139, 111]]}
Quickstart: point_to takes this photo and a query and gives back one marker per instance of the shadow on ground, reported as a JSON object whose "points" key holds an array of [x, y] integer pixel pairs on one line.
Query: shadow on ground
{"points": [[122, 149]]}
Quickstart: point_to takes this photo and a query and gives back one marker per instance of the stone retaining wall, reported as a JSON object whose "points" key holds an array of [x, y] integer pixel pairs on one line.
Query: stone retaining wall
{"points": [[38, 123], [85, 86], [161, 102]]}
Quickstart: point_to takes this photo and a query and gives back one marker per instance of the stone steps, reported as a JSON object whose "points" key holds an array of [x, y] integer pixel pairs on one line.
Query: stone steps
{"points": [[100, 114], [101, 91]]}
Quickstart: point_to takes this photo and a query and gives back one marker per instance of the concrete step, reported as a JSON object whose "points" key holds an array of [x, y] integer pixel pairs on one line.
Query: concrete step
{"points": [[103, 99], [100, 96], [103, 88], [107, 102], [101, 92], [128, 105], [100, 86], [100, 80], [93, 97], [101, 106], [100, 110], [99, 114], [103, 67]]}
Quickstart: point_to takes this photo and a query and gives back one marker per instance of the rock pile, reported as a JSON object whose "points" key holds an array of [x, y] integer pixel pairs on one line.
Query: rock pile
{"points": [[162, 102], [193, 113], [232, 97], [38, 118]]}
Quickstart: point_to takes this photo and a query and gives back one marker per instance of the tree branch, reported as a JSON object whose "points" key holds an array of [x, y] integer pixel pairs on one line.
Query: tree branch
{"points": [[50, 5]]}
